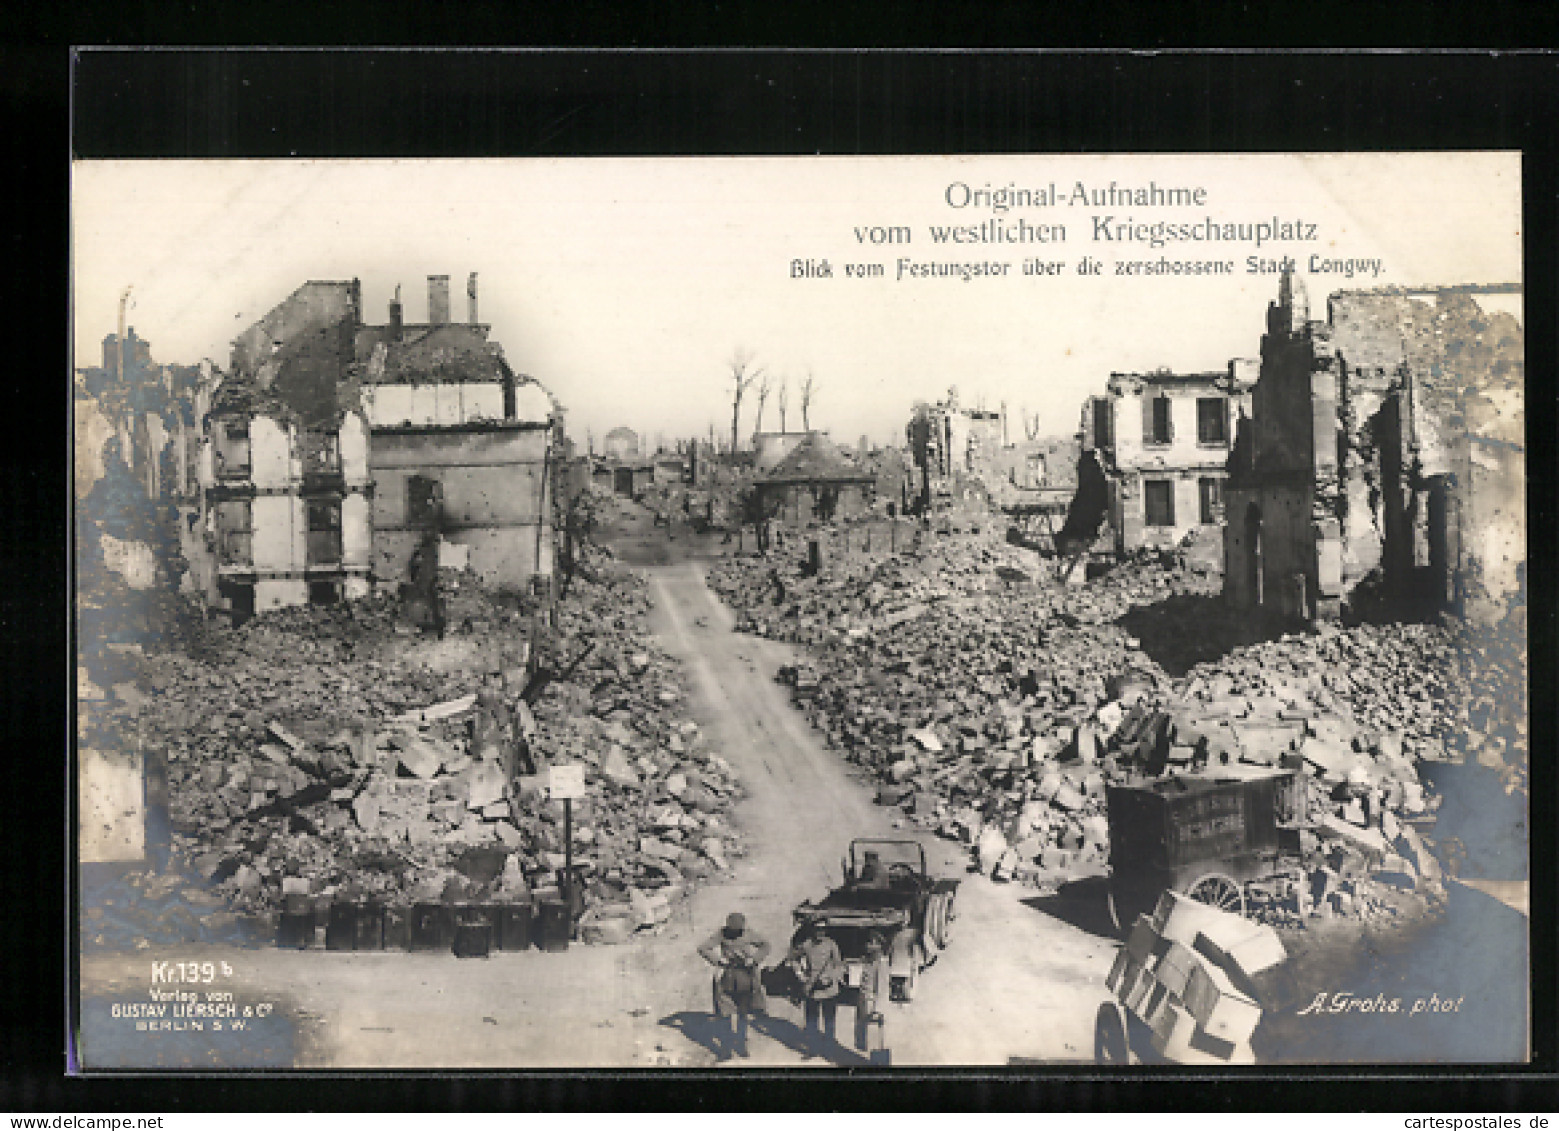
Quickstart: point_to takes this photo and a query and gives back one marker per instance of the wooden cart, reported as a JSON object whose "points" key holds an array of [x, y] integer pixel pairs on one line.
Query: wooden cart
{"points": [[1205, 835]]}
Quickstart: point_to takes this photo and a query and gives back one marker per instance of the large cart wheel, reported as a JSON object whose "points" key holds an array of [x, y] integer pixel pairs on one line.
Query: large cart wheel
{"points": [[1218, 890], [1110, 1042]]}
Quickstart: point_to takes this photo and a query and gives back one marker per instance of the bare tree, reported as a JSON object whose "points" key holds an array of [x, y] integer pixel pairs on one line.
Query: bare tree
{"points": [[765, 386], [742, 377], [784, 400], [807, 392], [919, 433]]}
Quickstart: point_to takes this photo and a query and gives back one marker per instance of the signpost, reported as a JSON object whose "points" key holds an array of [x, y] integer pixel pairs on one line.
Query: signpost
{"points": [[564, 783]]}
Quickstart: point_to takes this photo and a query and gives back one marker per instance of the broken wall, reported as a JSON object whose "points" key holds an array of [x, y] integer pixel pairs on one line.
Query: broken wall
{"points": [[433, 404], [1135, 448], [1276, 555], [1492, 499], [770, 448], [314, 305], [495, 491], [111, 825]]}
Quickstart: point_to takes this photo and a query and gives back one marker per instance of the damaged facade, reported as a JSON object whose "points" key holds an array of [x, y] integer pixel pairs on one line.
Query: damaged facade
{"points": [[816, 481], [963, 440], [1162, 441], [1386, 444], [461, 445], [334, 448]]}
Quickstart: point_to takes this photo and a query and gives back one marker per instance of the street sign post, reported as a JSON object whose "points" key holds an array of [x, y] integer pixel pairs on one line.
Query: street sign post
{"points": [[564, 783]]}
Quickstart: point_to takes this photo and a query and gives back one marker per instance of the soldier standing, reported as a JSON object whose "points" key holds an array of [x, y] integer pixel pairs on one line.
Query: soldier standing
{"points": [[820, 969], [737, 953], [869, 1020]]}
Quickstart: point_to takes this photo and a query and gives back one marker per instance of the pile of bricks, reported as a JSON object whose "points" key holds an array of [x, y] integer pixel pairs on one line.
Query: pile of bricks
{"points": [[321, 756], [995, 704]]}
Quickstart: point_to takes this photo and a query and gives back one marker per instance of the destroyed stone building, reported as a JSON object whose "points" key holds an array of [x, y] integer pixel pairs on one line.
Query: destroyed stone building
{"points": [[964, 459], [964, 439], [284, 468], [1386, 444], [816, 481], [334, 448], [670, 468], [460, 443], [1162, 440]]}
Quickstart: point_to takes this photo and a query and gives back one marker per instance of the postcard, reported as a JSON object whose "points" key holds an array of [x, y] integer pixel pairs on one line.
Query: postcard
{"points": [[781, 612]]}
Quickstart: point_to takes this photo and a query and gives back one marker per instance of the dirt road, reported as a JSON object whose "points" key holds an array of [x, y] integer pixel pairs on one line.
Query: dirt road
{"points": [[1016, 982]]}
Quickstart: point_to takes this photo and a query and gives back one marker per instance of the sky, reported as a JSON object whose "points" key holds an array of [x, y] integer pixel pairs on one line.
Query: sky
{"points": [[626, 286]]}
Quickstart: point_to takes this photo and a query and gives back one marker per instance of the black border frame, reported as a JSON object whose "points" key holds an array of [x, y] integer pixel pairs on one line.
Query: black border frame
{"points": [[413, 102]]}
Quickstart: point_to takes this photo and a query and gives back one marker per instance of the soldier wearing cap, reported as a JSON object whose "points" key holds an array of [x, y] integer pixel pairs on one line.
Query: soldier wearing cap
{"points": [[737, 953], [820, 973]]}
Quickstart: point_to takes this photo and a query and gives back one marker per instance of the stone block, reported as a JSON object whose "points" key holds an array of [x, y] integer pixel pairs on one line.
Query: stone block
{"points": [[1368, 841], [1172, 1024], [1175, 967], [1244, 956], [1224, 1011], [1068, 798], [1180, 918], [1143, 944]]}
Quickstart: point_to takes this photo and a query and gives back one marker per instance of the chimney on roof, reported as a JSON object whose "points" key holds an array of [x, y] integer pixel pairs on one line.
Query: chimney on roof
{"points": [[397, 316], [438, 299], [471, 298]]}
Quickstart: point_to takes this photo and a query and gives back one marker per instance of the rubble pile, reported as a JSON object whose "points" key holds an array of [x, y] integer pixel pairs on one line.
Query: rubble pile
{"points": [[995, 706], [332, 753]]}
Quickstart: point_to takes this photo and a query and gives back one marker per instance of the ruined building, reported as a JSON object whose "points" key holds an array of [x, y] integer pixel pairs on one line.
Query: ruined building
{"points": [[460, 443], [816, 481], [1162, 440], [963, 440], [1385, 444], [285, 465], [334, 448]]}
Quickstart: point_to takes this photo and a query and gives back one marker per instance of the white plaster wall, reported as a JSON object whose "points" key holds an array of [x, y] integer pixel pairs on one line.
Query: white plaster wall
{"points": [[112, 799], [353, 439], [134, 562], [206, 468], [447, 403], [270, 453], [275, 523], [356, 531], [531, 402], [276, 594], [1183, 450], [483, 402]]}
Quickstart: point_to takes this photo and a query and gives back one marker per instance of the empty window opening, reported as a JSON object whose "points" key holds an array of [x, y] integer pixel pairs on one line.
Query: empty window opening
{"points": [[1159, 501]]}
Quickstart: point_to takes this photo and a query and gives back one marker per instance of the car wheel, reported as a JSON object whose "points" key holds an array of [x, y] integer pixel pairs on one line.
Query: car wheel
{"points": [[1110, 1043]]}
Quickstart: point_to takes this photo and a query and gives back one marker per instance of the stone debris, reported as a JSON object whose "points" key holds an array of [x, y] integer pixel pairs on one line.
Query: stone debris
{"points": [[996, 716], [1189, 972], [329, 755]]}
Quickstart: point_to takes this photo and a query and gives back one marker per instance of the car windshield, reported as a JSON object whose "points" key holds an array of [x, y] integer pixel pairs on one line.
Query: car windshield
{"points": [[888, 853]]}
